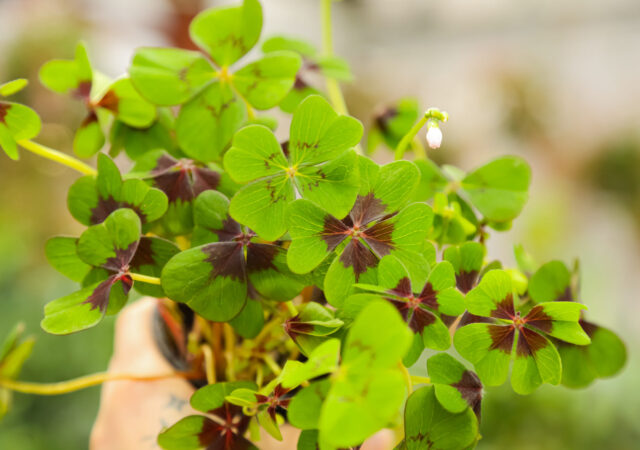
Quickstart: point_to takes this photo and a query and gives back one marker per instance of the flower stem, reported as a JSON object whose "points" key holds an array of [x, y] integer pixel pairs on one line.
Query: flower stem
{"points": [[77, 384], [407, 378], [275, 368], [59, 157], [144, 278], [415, 379], [431, 113], [209, 364], [333, 88]]}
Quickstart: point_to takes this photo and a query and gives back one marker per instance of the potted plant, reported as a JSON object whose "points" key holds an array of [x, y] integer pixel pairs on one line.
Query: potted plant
{"points": [[297, 281]]}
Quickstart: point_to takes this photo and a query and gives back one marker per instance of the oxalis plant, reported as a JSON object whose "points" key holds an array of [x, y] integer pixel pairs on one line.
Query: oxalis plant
{"points": [[299, 281]]}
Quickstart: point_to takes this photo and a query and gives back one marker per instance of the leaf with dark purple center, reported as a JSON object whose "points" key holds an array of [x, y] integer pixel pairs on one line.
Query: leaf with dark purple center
{"points": [[109, 248], [92, 199], [214, 278], [491, 346], [225, 428]]}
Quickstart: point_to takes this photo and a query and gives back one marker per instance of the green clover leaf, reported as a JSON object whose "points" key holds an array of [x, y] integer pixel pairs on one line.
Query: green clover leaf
{"points": [[456, 388], [376, 226], [491, 346], [422, 311], [312, 326], [499, 189], [91, 199], [77, 78], [604, 357], [109, 248], [428, 425], [318, 165], [216, 100], [368, 389], [213, 279], [182, 180], [17, 122], [197, 431]]}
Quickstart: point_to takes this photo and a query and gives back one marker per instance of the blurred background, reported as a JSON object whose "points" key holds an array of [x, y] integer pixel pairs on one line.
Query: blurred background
{"points": [[554, 82]]}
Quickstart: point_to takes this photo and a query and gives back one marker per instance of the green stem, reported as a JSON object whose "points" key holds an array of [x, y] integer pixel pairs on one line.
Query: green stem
{"points": [[431, 113], [407, 378], [77, 384], [273, 365], [145, 278], [415, 379], [292, 308], [59, 157], [333, 88]]}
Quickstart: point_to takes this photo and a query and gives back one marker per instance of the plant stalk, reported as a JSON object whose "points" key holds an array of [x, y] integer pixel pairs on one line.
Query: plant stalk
{"points": [[144, 278], [59, 157], [333, 88], [77, 384]]}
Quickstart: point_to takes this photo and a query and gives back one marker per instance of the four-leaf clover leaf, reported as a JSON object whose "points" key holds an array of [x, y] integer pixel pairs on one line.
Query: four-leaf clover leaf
{"points": [[215, 279], [216, 99], [511, 335], [76, 77], [377, 226], [317, 164]]}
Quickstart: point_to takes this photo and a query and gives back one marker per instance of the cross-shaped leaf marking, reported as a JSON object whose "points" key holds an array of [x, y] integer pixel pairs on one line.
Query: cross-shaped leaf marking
{"points": [[216, 278], [491, 346], [376, 226]]}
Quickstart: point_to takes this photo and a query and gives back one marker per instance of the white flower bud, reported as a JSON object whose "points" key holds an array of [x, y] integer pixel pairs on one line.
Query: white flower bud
{"points": [[434, 136]]}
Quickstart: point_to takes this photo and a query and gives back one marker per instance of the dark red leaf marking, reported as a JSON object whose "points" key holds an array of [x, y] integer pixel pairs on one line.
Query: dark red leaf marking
{"points": [[356, 255], [175, 184], [227, 259], [383, 118], [420, 319], [379, 238], [504, 309], [465, 281], [366, 210], [428, 296], [468, 318], [501, 337], [110, 101], [334, 232], [229, 231], [4, 110], [182, 180], [403, 288], [99, 298], [565, 296], [120, 262], [144, 255], [91, 118], [539, 319], [293, 327], [227, 433], [108, 205], [261, 256], [204, 179], [83, 91], [470, 388], [401, 306], [529, 342]]}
